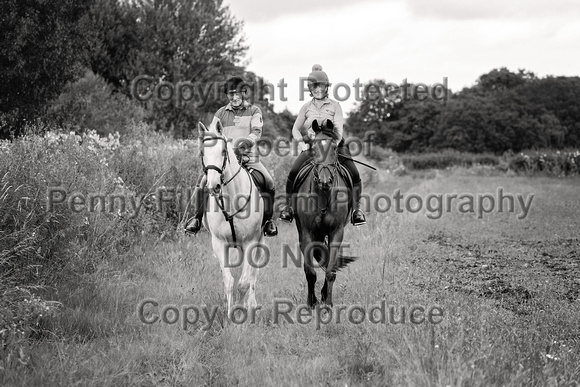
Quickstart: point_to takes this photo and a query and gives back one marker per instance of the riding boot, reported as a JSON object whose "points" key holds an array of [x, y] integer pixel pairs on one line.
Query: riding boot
{"points": [[270, 228], [358, 216], [199, 198], [287, 213]]}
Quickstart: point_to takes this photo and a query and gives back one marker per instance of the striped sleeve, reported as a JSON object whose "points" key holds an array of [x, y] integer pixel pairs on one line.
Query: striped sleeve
{"points": [[256, 124]]}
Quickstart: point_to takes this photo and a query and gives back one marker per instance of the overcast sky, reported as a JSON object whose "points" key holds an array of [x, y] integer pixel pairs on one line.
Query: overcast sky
{"points": [[420, 40]]}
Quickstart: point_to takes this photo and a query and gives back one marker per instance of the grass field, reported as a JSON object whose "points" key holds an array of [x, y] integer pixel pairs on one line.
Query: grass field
{"points": [[509, 289]]}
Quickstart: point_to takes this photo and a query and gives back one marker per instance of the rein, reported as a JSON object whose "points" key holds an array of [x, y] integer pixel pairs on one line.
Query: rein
{"points": [[356, 161], [316, 179]]}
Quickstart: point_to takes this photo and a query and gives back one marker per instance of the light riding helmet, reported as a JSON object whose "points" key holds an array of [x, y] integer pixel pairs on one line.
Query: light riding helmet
{"points": [[318, 82]]}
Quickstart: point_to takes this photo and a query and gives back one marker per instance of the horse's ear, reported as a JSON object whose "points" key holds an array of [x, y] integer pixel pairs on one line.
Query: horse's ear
{"points": [[315, 126], [201, 128], [219, 127], [329, 124]]}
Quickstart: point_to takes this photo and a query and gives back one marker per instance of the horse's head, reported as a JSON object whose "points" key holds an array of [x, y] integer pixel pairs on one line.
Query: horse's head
{"points": [[324, 148], [214, 154]]}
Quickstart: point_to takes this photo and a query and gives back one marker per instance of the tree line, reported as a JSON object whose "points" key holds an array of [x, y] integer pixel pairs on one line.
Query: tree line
{"points": [[71, 64], [503, 111]]}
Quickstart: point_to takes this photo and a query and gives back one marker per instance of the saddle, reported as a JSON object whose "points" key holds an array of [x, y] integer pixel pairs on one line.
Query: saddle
{"points": [[257, 176]]}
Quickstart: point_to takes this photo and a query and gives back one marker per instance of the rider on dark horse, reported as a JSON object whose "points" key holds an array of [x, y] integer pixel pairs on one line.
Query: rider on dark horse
{"points": [[242, 123], [321, 108]]}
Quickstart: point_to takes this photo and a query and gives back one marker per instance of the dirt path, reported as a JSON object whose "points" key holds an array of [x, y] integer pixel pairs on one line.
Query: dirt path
{"points": [[513, 272]]}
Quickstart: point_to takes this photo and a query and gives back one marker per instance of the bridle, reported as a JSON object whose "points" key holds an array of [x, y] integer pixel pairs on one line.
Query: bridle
{"points": [[226, 160], [219, 196], [319, 167], [333, 171]]}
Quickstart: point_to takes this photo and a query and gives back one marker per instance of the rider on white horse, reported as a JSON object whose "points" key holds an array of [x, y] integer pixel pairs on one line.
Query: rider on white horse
{"points": [[242, 123]]}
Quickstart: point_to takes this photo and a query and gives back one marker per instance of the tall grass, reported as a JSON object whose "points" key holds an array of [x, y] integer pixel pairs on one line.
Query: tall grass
{"points": [[46, 250]]}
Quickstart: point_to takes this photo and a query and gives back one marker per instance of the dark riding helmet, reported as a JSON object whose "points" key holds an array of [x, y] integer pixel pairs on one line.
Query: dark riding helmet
{"points": [[234, 84]]}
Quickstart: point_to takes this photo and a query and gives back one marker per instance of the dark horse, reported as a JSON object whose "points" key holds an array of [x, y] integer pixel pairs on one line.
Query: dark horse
{"points": [[323, 205]]}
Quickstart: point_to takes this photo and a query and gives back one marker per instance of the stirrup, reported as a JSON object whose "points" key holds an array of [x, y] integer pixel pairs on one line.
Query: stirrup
{"points": [[194, 226], [358, 218], [270, 228]]}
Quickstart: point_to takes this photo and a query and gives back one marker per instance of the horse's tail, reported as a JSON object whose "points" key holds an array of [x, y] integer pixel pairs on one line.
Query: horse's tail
{"points": [[341, 260], [344, 260]]}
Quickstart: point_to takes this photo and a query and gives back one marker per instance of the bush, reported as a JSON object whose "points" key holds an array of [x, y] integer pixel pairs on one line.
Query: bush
{"points": [[559, 163], [91, 104], [549, 162], [148, 162], [35, 242], [445, 159], [42, 247]]}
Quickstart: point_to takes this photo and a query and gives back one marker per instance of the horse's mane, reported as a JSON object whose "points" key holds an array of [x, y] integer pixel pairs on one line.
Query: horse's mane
{"points": [[329, 132]]}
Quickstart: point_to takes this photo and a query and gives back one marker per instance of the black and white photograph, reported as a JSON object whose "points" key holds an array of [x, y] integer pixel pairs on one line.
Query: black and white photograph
{"points": [[302, 193]]}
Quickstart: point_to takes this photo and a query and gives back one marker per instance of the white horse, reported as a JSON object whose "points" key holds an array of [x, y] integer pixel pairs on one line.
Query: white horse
{"points": [[233, 216]]}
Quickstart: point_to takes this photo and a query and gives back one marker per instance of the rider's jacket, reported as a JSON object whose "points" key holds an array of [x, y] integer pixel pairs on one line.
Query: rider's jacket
{"points": [[243, 122], [330, 109]]}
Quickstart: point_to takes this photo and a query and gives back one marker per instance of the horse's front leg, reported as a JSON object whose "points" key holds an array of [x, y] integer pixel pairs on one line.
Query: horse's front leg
{"points": [[334, 244], [306, 243], [220, 249], [254, 254]]}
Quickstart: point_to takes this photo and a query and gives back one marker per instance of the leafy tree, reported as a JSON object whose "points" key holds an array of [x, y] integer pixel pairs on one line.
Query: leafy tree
{"points": [[398, 124], [90, 104], [473, 123], [503, 79], [118, 42], [287, 120], [42, 43], [559, 96], [171, 41]]}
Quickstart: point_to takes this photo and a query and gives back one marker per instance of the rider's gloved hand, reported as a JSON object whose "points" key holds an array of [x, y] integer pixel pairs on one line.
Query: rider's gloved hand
{"points": [[244, 144], [309, 136]]}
